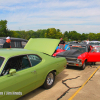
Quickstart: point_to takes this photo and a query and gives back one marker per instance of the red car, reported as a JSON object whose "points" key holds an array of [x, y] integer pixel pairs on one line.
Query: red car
{"points": [[95, 44], [79, 54]]}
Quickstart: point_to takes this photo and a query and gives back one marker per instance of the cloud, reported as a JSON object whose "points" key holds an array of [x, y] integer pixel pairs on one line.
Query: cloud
{"points": [[62, 14]]}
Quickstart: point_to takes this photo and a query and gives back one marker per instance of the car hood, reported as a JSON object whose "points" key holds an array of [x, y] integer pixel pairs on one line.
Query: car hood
{"points": [[44, 45], [70, 53]]}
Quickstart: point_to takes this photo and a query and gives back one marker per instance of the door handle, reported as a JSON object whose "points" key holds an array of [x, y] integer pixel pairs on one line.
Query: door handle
{"points": [[33, 71]]}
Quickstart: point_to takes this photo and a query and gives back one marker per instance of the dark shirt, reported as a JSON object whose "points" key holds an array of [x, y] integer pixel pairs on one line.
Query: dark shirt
{"points": [[62, 42], [6, 45]]}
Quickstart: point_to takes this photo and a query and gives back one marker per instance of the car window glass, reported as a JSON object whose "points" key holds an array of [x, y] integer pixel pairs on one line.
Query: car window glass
{"points": [[80, 48], [89, 48], [25, 62], [34, 59], [18, 63], [12, 44], [93, 50], [23, 43], [17, 44], [94, 43]]}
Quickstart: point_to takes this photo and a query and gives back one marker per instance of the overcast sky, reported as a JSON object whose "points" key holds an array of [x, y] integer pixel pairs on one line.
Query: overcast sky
{"points": [[82, 16]]}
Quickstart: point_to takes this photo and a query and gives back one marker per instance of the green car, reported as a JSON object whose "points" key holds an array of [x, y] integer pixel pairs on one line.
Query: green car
{"points": [[23, 70]]}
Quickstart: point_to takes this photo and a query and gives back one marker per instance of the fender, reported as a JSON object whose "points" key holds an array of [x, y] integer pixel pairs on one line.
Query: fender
{"points": [[83, 57]]}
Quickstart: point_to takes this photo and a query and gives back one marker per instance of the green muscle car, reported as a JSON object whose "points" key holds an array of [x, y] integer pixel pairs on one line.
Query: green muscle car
{"points": [[23, 70]]}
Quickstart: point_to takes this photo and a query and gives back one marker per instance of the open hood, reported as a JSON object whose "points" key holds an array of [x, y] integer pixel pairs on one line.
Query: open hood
{"points": [[44, 45]]}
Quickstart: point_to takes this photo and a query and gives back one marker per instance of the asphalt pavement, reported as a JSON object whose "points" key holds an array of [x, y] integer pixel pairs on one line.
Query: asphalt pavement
{"points": [[91, 90], [71, 84]]}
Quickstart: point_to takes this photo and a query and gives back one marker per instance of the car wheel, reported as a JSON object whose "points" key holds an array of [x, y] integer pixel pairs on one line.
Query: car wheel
{"points": [[83, 66], [93, 63], [49, 80]]}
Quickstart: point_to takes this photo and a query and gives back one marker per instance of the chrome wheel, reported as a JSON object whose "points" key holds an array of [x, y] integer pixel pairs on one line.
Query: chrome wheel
{"points": [[50, 79]]}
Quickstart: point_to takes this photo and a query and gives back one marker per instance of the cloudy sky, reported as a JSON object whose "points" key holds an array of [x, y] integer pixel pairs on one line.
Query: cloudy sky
{"points": [[82, 16]]}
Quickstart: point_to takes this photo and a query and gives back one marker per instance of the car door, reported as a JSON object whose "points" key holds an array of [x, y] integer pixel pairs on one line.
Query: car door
{"points": [[36, 62], [93, 56], [22, 81]]}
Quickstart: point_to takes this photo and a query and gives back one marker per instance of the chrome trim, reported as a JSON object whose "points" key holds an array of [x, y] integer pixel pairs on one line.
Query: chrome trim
{"points": [[73, 63]]}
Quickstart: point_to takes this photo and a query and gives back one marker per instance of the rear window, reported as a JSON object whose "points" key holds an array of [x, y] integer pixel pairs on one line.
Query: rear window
{"points": [[23, 44], [18, 44]]}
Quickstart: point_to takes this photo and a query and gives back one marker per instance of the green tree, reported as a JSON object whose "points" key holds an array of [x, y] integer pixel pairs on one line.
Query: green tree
{"points": [[58, 30], [13, 34], [73, 35], [3, 28], [83, 36], [53, 33], [98, 36], [92, 36], [30, 34], [41, 33], [22, 34], [65, 36]]}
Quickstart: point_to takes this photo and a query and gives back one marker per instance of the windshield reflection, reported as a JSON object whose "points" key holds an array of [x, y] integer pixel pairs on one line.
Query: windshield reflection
{"points": [[82, 49]]}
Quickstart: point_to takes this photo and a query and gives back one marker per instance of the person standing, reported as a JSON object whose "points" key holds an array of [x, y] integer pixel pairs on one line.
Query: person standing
{"points": [[62, 43], [87, 41], [7, 43]]}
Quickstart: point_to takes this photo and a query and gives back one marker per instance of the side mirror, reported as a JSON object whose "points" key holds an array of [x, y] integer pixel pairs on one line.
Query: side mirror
{"points": [[12, 71]]}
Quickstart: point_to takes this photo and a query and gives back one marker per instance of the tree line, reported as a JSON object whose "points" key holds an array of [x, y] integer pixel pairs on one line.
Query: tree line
{"points": [[46, 33]]}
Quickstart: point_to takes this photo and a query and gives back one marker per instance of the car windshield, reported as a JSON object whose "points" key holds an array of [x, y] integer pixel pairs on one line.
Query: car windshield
{"points": [[94, 43], [1, 61], [80, 48]]}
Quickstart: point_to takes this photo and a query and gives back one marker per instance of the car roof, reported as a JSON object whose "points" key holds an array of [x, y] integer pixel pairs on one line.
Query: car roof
{"points": [[12, 38], [79, 44], [94, 41], [9, 52]]}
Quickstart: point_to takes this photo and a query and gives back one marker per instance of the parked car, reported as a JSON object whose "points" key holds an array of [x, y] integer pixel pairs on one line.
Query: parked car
{"points": [[85, 41], [15, 42], [23, 70], [95, 44], [79, 54], [72, 42]]}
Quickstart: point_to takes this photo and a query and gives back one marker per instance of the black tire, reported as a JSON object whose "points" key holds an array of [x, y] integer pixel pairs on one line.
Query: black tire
{"points": [[93, 63], [83, 66], [49, 80]]}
